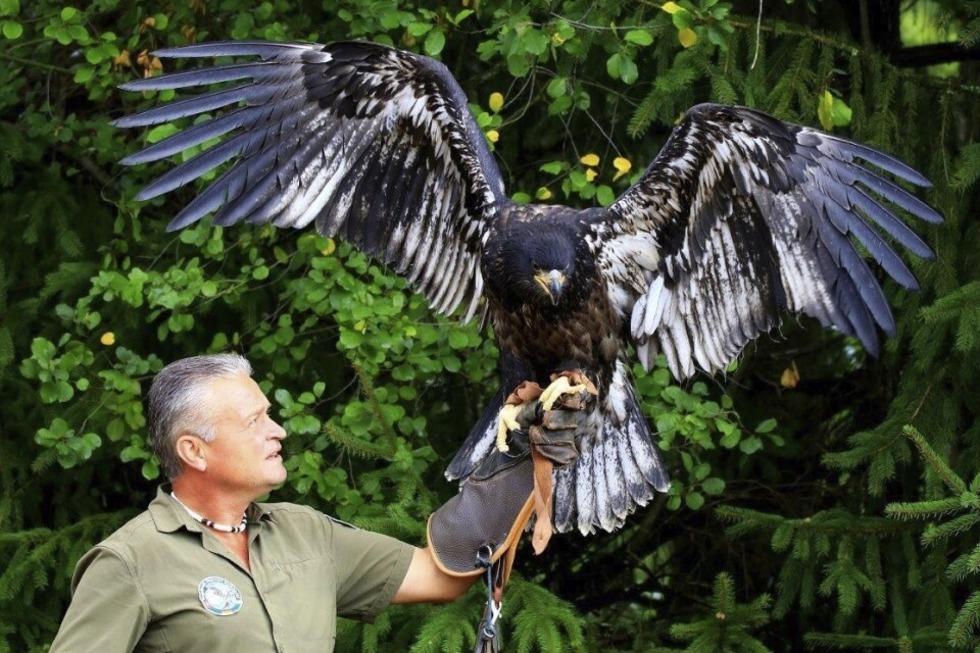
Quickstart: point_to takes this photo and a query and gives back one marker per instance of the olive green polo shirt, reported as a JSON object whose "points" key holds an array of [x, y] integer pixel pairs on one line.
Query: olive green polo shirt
{"points": [[163, 582]]}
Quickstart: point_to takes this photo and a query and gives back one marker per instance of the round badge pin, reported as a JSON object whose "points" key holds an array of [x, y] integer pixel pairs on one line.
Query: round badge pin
{"points": [[219, 596]]}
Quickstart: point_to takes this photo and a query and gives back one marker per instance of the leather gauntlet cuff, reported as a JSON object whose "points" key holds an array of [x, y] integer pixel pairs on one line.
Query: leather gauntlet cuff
{"points": [[490, 511]]}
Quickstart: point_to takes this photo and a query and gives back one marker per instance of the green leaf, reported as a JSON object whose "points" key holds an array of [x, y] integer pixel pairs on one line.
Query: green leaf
{"points": [[9, 7], [518, 64], [750, 445], [95, 55], [557, 87], [150, 469], [840, 113], [682, 18], [628, 71], [613, 65], [419, 29], [694, 500], [639, 36], [605, 195], [42, 349], [435, 42], [553, 167], [12, 30], [713, 485], [82, 75], [161, 132], [825, 108], [459, 17]]}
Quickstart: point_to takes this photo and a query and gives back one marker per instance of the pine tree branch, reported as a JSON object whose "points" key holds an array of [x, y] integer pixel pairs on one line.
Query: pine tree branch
{"points": [[924, 509], [966, 622], [950, 478]]}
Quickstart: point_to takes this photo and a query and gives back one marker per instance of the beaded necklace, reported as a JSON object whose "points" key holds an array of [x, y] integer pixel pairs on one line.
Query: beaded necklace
{"points": [[210, 524]]}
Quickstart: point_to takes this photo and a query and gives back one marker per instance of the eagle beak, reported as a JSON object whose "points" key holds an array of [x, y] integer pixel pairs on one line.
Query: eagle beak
{"points": [[553, 283]]}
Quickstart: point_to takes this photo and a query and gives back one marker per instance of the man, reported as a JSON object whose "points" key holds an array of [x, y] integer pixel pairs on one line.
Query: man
{"points": [[206, 569]]}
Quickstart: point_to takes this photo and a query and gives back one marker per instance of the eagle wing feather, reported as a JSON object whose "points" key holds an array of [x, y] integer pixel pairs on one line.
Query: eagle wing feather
{"points": [[371, 144], [742, 217]]}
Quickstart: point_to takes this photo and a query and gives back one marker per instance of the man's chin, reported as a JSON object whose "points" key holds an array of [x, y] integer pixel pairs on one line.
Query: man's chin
{"points": [[278, 476]]}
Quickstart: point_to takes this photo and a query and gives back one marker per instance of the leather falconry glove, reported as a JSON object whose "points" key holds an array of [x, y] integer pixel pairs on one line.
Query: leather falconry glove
{"points": [[477, 531], [496, 501]]}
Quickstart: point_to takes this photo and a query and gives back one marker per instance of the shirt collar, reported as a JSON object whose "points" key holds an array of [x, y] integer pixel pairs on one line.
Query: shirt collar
{"points": [[169, 516]]}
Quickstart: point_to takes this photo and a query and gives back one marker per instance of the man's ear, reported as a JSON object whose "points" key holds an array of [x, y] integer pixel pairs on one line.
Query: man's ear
{"points": [[191, 451]]}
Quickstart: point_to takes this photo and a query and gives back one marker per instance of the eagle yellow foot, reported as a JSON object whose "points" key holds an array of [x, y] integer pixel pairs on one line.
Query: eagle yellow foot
{"points": [[506, 423], [507, 418], [565, 383]]}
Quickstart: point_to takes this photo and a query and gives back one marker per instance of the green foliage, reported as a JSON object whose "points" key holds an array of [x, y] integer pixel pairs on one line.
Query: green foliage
{"points": [[832, 554], [727, 625], [948, 531], [780, 485]]}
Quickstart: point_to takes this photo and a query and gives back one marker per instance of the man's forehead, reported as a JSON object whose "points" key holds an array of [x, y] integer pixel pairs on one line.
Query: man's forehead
{"points": [[239, 391]]}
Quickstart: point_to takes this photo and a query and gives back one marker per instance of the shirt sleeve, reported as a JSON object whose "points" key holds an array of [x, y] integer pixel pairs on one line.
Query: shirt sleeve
{"points": [[108, 611], [370, 569]]}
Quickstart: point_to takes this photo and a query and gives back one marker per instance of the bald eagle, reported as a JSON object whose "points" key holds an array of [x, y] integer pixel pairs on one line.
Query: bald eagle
{"points": [[738, 221]]}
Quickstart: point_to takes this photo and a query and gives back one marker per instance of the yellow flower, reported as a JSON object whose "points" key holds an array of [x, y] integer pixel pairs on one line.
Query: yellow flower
{"points": [[493, 136], [590, 159], [496, 101], [790, 377], [121, 60], [590, 174], [108, 338], [622, 165]]}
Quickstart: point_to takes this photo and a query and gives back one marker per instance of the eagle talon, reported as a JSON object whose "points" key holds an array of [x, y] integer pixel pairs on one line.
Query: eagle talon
{"points": [[507, 422], [560, 386]]}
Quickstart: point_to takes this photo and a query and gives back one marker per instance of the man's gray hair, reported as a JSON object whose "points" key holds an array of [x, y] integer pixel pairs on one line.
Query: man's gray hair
{"points": [[176, 403]]}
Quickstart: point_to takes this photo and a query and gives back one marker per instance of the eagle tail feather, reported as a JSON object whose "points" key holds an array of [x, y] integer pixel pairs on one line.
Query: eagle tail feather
{"points": [[615, 473]]}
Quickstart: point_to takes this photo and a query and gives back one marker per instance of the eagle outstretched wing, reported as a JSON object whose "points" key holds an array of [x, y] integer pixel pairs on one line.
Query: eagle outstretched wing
{"points": [[375, 145], [742, 217]]}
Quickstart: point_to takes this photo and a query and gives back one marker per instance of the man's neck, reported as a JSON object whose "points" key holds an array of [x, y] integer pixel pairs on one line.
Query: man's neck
{"points": [[219, 506]]}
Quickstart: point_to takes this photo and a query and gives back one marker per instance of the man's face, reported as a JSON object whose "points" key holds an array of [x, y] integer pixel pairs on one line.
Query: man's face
{"points": [[244, 455]]}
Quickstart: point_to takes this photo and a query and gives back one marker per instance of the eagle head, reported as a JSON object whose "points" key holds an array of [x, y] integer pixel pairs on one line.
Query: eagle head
{"points": [[534, 263]]}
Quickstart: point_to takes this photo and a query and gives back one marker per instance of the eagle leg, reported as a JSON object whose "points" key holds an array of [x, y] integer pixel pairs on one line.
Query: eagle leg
{"points": [[507, 418]]}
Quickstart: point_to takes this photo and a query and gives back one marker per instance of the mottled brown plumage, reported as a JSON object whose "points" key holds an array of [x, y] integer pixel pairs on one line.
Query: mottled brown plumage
{"points": [[582, 330]]}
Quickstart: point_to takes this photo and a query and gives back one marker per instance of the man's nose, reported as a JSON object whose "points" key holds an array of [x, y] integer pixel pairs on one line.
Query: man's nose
{"points": [[276, 431]]}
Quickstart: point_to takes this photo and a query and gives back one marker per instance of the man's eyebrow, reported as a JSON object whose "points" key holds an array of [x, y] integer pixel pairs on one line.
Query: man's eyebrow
{"points": [[264, 408]]}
